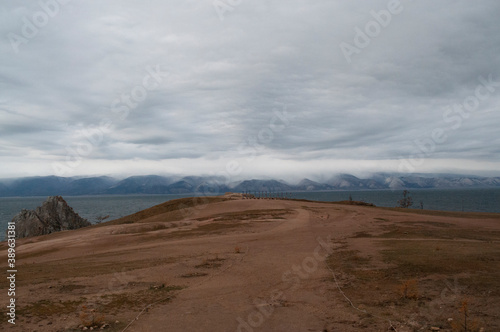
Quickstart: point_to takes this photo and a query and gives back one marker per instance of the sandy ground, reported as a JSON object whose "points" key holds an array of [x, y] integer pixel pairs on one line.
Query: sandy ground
{"points": [[260, 265]]}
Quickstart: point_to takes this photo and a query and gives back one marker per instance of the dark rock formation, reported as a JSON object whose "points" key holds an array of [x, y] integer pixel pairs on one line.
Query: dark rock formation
{"points": [[53, 216]]}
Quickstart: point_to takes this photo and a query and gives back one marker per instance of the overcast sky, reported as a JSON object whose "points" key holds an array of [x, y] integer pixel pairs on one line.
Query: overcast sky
{"points": [[249, 88]]}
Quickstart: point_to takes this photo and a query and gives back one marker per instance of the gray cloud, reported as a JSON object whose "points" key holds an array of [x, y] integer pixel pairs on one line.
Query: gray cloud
{"points": [[222, 83]]}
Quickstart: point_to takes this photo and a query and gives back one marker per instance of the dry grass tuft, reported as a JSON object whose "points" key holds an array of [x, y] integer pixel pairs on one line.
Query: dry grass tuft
{"points": [[46, 308], [464, 322], [408, 289], [90, 318], [211, 263]]}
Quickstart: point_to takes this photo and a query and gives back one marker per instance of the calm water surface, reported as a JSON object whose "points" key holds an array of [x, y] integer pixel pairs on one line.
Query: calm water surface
{"points": [[92, 207]]}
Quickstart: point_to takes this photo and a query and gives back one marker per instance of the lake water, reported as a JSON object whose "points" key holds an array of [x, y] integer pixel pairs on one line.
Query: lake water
{"points": [[92, 207]]}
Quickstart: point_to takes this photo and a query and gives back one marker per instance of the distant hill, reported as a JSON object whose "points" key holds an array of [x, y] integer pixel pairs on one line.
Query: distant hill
{"points": [[211, 185], [309, 185], [262, 185], [150, 184], [350, 182], [54, 186]]}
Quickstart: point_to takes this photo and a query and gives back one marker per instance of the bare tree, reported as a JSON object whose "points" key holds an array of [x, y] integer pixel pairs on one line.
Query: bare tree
{"points": [[100, 219], [406, 201]]}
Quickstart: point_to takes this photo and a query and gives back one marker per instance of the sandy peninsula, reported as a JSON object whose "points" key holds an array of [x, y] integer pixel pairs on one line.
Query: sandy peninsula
{"points": [[234, 264]]}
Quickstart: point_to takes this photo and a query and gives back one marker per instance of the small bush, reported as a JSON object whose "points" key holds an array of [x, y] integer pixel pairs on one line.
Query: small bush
{"points": [[90, 317], [409, 289], [465, 323]]}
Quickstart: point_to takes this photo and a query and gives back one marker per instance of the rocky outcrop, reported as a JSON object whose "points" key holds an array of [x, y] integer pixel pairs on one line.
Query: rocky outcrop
{"points": [[53, 216]]}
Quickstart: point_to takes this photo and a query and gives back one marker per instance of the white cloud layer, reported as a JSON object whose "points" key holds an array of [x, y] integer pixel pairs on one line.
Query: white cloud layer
{"points": [[267, 88]]}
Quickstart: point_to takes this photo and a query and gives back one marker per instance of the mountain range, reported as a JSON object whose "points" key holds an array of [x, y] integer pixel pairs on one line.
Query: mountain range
{"points": [[210, 185]]}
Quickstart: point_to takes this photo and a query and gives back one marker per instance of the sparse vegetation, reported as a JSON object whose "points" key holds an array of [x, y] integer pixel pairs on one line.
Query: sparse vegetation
{"points": [[211, 228], [91, 318], [211, 263], [416, 268], [464, 323], [409, 268], [194, 275], [171, 211], [88, 266], [46, 308], [100, 219], [419, 258], [252, 215], [433, 230], [408, 289], [112, 303]]}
